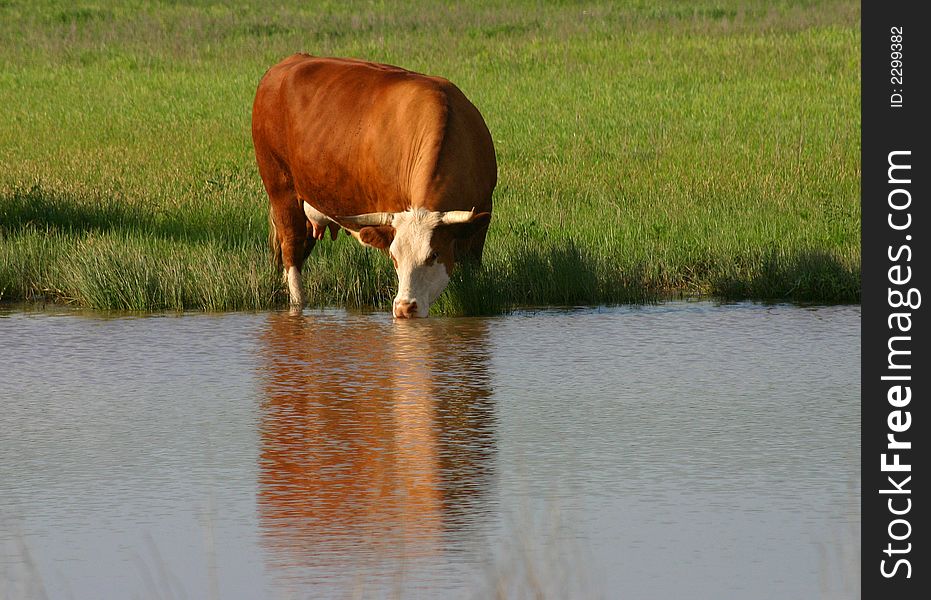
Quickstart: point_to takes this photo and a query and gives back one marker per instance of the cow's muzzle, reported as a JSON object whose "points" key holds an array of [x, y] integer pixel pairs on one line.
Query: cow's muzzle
{"points": [[405, 309]]}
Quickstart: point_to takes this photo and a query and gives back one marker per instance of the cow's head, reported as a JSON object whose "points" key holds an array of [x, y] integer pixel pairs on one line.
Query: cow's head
{"points": [[421, 245]]}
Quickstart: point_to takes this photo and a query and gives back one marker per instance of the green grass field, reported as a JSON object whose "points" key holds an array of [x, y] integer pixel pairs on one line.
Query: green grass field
{"points": [[645, 149]]}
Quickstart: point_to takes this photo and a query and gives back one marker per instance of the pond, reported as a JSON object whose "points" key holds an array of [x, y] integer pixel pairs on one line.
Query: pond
{"points": [[687, 449]]}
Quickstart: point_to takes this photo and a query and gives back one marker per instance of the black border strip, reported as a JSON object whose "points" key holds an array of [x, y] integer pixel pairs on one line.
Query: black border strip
{"points": [[894, 107]]}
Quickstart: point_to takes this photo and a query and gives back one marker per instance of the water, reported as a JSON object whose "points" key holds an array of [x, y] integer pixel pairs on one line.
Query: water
{"points": [[679, 451]]}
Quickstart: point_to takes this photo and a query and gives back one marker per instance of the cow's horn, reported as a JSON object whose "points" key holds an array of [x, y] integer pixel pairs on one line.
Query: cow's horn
{"points": [[457, 216], [368, 219]]}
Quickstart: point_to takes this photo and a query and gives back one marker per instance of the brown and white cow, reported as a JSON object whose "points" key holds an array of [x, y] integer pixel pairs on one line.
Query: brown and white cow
{"points": [[402, 161]]}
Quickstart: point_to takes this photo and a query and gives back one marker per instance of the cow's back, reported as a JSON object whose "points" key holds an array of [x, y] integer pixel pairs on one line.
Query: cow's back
{"points": [[358, 137]]}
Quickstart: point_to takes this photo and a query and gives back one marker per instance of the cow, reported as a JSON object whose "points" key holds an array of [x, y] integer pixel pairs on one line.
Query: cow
{"points": [[402, 161]]}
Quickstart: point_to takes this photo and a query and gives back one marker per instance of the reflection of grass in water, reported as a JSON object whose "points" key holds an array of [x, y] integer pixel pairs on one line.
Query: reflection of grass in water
{"points": [[24, 582], [840, 556], [533, 560], [684, 148], [537, 561], [525, 565]]}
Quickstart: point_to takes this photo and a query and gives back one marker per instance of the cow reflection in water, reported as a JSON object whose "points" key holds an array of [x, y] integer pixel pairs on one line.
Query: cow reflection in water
{"points": [[376, 437]]}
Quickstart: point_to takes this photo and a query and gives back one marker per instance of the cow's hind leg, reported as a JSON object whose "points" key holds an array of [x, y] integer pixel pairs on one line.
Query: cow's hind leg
{"points": [[287, 222], [290, 226]]}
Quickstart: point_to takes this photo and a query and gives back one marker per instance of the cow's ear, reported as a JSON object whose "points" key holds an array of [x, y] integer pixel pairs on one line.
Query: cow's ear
{"points": [[469, 228], [379, 237]]}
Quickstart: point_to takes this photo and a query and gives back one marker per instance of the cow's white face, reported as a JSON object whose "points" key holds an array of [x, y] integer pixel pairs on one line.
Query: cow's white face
{"points": [[416, 255], [421, 244]]}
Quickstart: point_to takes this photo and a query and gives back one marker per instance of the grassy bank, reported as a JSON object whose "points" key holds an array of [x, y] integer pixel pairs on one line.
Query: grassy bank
{"points": [[645, 149]]}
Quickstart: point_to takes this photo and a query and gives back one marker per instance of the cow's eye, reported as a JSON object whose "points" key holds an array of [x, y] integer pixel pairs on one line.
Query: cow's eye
{"points": [[434, 256]]}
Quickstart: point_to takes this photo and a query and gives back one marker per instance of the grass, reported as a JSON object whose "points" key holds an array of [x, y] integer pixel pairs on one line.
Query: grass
{"points": [[645, 150]]}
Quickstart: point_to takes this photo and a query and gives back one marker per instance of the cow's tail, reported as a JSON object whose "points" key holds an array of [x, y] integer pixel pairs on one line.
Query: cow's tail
{"points": [[274, 243]]}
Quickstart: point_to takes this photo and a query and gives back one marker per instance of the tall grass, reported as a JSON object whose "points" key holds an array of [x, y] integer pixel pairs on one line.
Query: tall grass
{"points": [[645, 149]]}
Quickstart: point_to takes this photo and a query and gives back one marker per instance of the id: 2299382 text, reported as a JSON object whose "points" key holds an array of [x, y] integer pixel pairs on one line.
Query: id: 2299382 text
{"points": [[896, 58]]}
